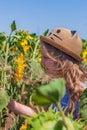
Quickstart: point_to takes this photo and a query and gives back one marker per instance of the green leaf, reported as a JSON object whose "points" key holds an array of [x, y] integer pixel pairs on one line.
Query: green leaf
{"points": [[20, 47], [36, 70], [4, 99], [53, 91], [50, 120], [83, 105], [46, 32], [40, 100], [2, 37], [43, 120], [13, 26], [59, 125]]}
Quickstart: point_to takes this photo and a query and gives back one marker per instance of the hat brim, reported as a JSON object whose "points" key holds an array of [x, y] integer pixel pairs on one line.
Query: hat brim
{"points": [[58, 46]]}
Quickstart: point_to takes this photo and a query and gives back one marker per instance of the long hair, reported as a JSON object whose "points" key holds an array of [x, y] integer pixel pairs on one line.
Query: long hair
{"points": [[58, 64]]}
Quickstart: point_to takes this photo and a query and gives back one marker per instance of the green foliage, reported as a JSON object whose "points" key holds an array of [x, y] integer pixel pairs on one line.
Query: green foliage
{"points": [[13, 26], [44, 121], [18, 122], [84, 51], [2, 37], [36, 70], [35, 37], [46, 32], [43, 101], [51, 120], [52, 92], [4, 99], [84, 45], [83, 105]]}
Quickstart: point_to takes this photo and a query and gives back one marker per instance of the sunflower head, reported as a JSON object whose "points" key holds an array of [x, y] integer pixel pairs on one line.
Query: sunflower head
{"points": [[84, 55]]}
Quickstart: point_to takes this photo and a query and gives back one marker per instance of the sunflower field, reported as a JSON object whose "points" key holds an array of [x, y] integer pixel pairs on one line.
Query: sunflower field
{"points": [[20, 74]]}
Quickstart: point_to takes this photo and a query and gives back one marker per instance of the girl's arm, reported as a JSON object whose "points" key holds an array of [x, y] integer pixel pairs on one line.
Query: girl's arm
{"points": [[20, 109]]}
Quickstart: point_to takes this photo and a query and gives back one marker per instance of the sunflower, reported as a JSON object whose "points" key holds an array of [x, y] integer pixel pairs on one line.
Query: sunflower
{"points": [[24, 127], [28, 36], [84, 55], [25, 45], [20, 68]]}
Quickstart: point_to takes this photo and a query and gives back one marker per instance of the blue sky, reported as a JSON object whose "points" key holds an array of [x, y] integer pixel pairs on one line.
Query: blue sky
{"points": [[39, 15]]}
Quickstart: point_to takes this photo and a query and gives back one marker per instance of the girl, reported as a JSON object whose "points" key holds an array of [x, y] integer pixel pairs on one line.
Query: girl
{"points": [[61, 51]]}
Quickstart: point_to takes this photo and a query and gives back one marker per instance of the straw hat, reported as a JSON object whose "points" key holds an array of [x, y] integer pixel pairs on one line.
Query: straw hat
{"points": [[66, 40]]}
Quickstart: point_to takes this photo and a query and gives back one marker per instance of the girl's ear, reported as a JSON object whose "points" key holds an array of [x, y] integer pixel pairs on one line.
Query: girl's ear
{"points": [[75, 35], [73, 32]]}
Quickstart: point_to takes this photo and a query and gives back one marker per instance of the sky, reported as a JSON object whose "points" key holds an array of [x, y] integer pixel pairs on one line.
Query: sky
{"points": [[40, 15]]}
